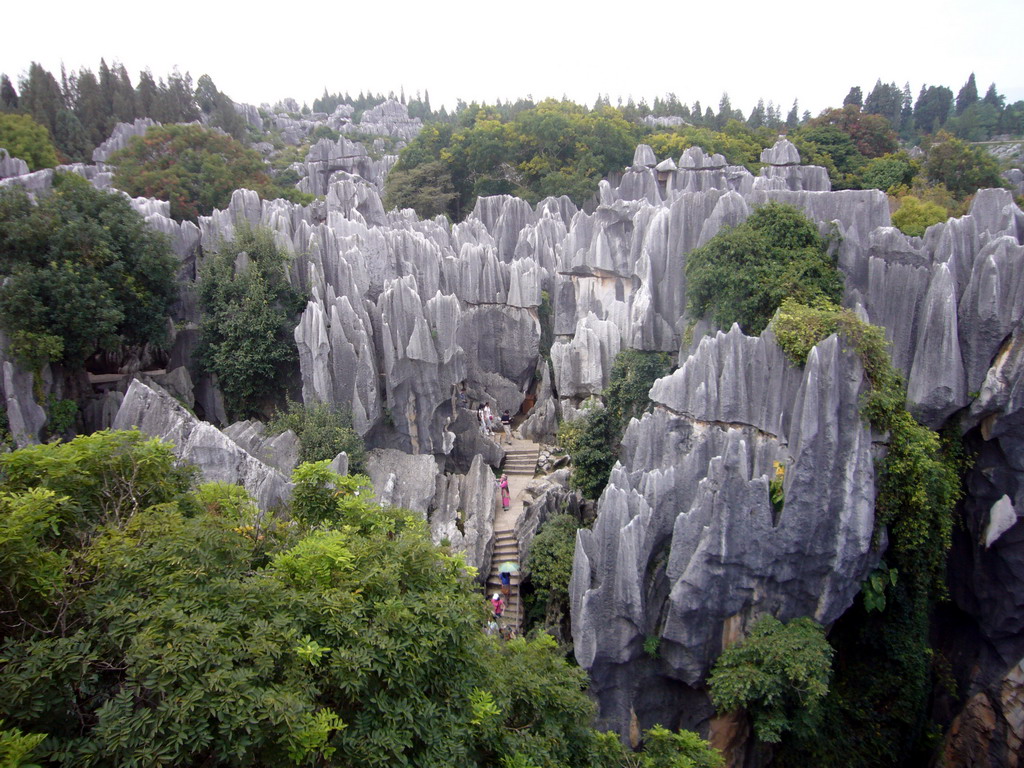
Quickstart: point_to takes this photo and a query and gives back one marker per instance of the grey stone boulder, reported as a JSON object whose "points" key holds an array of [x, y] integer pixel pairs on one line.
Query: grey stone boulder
{"points": [[582, 366], [403, 479], [936, 387], [219, 458], [542, 422], [644, 156], [280, 451]]}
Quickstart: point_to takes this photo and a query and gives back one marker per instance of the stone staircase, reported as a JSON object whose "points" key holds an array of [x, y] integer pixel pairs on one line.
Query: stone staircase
{"points": [[521, 461], [506, 549]]}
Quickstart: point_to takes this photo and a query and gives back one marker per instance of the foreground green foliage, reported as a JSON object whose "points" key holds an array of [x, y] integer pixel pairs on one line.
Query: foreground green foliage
{"points": [[324, 431], [144, 621], [593, 440], [744, 272], [875, 714], [249, 313], [779, 673], [84, 274], [193, 168]]}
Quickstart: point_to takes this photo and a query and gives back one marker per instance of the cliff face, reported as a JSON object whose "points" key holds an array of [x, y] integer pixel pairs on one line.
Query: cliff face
{"points": [[686, 548]]}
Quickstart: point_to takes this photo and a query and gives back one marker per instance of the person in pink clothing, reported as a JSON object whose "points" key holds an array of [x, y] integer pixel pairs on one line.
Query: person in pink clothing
{"points": [[506, 497]]}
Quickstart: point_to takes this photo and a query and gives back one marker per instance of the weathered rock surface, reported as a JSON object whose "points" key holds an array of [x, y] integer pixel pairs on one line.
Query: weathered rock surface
{"points": [[122, 134], [404, 313], [403, 480], [687, 546], [11, 166], [463, 512], [219, 458]]}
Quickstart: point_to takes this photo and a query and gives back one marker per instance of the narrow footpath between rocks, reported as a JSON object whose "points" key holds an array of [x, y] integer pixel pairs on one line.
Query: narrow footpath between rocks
{"points": [[520, 466]]}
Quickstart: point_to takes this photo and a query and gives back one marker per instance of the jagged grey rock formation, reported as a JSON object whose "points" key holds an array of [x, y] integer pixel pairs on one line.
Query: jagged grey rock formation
{"points": [[390, 118], [11, 166], [403, 480], [687, 546], [463, 512], [782, 170], [25, 417], [404, 313], [280, 451], [119, 138], [219, 458]]}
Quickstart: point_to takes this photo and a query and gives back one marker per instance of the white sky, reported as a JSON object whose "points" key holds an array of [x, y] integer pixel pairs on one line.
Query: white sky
{"points": [[255, 53]]}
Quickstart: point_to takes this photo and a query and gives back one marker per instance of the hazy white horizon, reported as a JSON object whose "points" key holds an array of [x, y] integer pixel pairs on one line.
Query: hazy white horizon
{"points": [[795, 49]]}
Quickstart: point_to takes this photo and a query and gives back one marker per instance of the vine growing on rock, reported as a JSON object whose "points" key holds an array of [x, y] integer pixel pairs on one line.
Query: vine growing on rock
{"points": [[875, 714], [593, 439]]}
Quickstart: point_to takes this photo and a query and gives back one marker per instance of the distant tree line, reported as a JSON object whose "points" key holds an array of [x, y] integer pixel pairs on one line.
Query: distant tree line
{"points": [[82, 108]]}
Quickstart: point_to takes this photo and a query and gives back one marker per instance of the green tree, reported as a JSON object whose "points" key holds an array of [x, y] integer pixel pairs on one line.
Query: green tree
{"points": [[40, 97], [961, 168], [932, 108], [149, 623], [968, 95], [743, 273], [193, 168], [84, 273], [8, 95], [249, 311], [23, 137], [889, 172], [426, 188], [779, 673]]}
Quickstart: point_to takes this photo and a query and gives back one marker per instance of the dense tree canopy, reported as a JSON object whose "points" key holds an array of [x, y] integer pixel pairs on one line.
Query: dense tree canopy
{"points": [[963, 169], [193, 168], [744, 272], [555, 148], [84, 273], [149, 622]]}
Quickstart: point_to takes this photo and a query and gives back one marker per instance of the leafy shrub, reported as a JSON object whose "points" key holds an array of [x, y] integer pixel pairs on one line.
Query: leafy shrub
{"points": [[551, 553], [324, 431], [743, 273], [962, 168], [914, 216], [888, 172], [779, 673], [24, 138]]}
